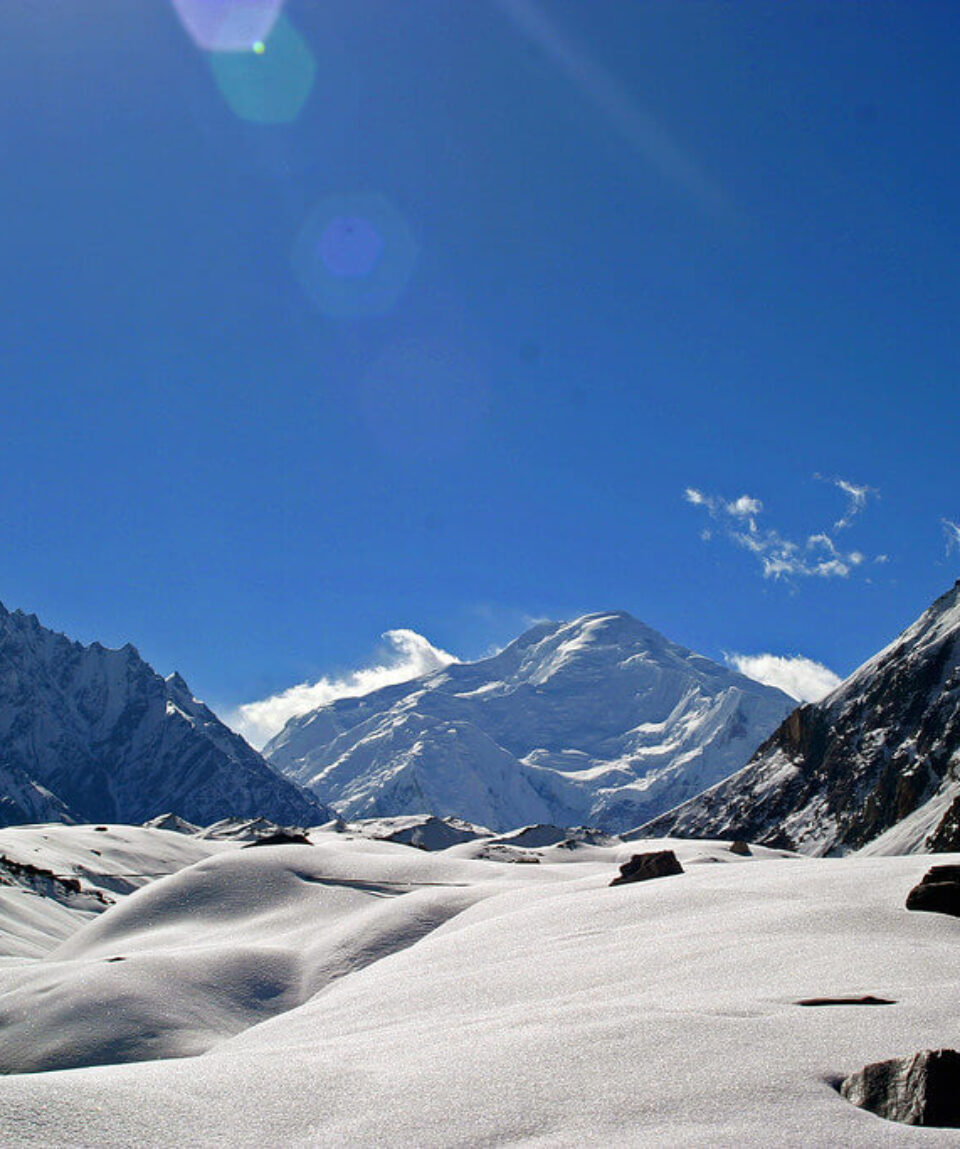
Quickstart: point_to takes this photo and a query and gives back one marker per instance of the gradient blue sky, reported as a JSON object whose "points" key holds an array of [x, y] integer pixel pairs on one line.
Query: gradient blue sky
{"points": [[444, 347]]}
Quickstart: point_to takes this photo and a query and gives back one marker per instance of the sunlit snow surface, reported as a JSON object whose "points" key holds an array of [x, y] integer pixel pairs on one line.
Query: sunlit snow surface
{"points": [[362, 992]]}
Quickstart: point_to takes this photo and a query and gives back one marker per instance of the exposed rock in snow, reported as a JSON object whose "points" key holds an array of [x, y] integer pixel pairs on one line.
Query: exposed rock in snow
{"points": [[877, 761], [938, 892], [243, 830], [172, 822], [920, 1090], [643, 867], [425, 831], [600, 721], [93, 734]]}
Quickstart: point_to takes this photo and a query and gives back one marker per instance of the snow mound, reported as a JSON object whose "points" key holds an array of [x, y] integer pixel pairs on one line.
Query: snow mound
{"points": [[220, 946], [104, 863], [450, 1001]]}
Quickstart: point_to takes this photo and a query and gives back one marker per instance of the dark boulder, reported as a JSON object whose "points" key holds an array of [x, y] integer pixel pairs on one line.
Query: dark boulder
{"points": [[281, 838], [938, 891], [642, 867], [741, 848], [867, 999], [920, 1090]]}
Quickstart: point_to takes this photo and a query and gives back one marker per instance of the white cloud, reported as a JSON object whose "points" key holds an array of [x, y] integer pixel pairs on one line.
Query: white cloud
{"points": [[781, 557], [698, 498], [410, 655], [857, 495], [801, 678], [952, 531], [745, 507]]}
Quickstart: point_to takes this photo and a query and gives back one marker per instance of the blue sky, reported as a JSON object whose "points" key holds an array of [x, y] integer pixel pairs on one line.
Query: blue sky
{"points": [[431, 315]]}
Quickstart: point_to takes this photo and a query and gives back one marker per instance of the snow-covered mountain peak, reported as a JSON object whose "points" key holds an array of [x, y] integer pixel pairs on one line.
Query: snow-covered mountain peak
{"points": [[95, 733], [595, 721]]}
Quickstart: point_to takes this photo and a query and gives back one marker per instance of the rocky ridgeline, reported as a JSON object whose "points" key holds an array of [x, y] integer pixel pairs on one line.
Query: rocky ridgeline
{"points": [[881, 750]]}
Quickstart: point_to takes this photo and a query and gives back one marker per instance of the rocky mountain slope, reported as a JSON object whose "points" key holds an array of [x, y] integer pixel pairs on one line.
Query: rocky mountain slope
{"points": [[97, 735], [601, 721], [877, 761]]}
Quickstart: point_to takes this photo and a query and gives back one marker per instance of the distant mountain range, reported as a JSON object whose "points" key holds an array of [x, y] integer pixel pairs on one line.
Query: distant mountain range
{"points": [[601, 721], [92, 734], [877, 761]]}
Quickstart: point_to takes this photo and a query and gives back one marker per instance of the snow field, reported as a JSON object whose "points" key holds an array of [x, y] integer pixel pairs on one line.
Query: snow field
{"points": [[499, 1004]]}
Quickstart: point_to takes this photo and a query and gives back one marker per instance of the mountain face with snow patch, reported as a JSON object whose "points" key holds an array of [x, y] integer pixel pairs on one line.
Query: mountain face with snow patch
{"points": [[601, 721], [875, 764], [92, 734]]}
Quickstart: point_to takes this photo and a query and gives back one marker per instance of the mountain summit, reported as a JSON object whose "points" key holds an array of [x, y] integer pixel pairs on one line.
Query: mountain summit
{"points": [[97, 735], [878, 756], [600, 721]]}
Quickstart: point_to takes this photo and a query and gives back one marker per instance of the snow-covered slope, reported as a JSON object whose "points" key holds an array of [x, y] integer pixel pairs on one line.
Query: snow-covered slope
{"points": [[54, 878], [366, 993], [876, 762], [97, 735], [601, 721]]}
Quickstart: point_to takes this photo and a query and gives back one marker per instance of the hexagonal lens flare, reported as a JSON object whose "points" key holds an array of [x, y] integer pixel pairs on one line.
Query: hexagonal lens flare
{"points": [[355, 255], [228, 25]]}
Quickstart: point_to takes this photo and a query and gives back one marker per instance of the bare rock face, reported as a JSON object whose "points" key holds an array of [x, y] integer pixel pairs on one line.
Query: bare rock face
{"points": [[938, 892], [643, 867], [920, 1090], [882, 747]]}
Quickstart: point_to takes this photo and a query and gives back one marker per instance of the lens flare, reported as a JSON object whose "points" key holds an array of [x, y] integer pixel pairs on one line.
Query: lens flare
{"points": [[355, 255], [350, 246], [228, 25], [271, 81]]}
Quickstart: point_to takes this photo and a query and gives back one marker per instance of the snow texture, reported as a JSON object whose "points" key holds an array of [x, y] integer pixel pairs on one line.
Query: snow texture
{"points": [[362, 992]]}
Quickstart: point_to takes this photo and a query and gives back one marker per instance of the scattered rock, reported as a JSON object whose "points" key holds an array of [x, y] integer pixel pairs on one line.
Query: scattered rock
{"points": [[172, 822], [920, 1090], [245, 830], [62, 887], [500, 853], [281, 838], [642, 867], [869, 999], [938, 891], [740, 848]]}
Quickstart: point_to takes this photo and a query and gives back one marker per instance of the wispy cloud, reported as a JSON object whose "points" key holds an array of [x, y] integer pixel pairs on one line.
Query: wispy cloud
{"points": [[952, 532], [801, 678], [409, 655], [817, 556], [857, 495]]}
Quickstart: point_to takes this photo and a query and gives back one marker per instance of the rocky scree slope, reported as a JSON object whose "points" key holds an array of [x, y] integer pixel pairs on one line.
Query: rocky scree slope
{"points": [[877, 761], [601, 721], [91, 734]]}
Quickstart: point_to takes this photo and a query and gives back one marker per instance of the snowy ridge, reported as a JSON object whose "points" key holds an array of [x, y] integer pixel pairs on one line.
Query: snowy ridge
{"points": [[601, 721], [92, 734], [876, 764]]}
